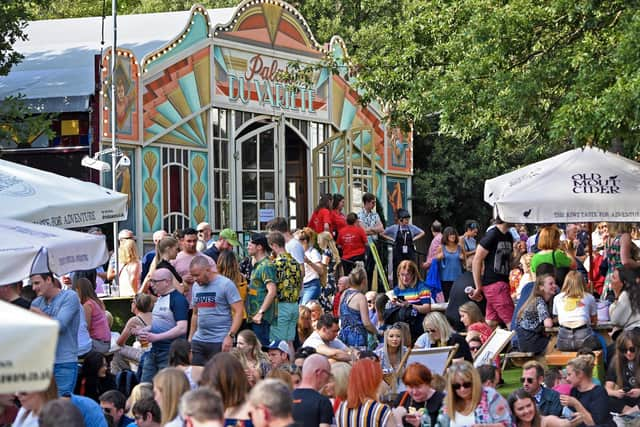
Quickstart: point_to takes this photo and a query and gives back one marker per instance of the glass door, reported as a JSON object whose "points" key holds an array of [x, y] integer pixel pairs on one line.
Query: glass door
{"points": [[257, 177]]}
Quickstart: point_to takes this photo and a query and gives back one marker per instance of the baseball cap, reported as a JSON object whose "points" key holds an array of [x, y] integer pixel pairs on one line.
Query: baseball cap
{"points": [[230, 236], [278, 345], [403, 213], [260, 239]]}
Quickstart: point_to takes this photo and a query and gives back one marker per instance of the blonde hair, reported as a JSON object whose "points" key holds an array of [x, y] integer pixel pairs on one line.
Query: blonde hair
{"points": [[583, 363], [172, 383], [340, 372], [437, 321], [466, 372], [325, 240], [525, 260], [573, 286], [128, 251], [138, 392]]}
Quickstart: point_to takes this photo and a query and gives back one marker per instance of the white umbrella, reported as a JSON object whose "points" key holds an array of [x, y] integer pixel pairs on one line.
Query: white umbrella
{"points": [[41, 197], [580, 185], [27, 249], [28, 345]]}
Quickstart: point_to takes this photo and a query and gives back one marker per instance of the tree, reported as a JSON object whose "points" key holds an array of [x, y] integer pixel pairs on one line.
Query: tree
{"points": [[16, 122]]}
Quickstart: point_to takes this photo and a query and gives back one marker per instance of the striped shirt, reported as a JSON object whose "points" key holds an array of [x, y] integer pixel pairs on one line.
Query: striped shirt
{"points": [[419, 295], [369, 414]]}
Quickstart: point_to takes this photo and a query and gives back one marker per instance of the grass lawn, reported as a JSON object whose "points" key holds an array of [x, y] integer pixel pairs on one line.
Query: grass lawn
{"points": [[511, 378]]}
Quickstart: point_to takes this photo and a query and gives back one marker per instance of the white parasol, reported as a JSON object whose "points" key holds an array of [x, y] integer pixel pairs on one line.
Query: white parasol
{"points": [[28, 342], [580, 185], [33, 195], [27, 249]]}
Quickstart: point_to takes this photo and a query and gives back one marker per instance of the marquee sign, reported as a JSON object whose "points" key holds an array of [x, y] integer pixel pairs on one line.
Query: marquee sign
{"points": [[254, 81]]}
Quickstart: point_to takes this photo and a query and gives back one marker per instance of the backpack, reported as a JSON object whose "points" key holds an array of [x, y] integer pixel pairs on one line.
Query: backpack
{"points": [[126, 380]]}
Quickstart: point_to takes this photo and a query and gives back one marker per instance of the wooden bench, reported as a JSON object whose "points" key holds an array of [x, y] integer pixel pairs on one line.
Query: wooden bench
{"points": [[517, 358]]}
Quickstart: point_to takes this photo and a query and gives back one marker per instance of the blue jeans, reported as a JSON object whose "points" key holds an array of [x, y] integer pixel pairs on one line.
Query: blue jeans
{"points": [[154, 362], [66, 375], [310, 291], [262, 330]]}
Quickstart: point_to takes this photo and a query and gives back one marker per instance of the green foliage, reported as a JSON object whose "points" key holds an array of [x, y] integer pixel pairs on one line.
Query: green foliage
{"points": [[18, 124]]}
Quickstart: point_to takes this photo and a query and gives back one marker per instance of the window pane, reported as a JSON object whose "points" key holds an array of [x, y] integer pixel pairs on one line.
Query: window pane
{"points": [[249, 185], [223, 123], [267, 187], [222, 182], [249, 154], [249, 216], [224, 154], [266, 150], [267, 213]]}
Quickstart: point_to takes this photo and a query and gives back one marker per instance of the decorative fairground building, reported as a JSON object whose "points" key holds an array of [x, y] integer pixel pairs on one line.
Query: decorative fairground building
{"points": [[214, 135]]}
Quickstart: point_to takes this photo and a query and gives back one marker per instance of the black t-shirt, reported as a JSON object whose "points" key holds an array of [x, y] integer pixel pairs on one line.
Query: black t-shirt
{"points": [[497, 263], [463, 348], [433, 405], [457, 297], [594, 401], [310, 408], [21, 302], [628, 375]]}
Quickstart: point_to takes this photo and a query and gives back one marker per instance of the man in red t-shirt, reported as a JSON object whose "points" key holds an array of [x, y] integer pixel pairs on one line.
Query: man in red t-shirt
{"points": [[353, 240]]}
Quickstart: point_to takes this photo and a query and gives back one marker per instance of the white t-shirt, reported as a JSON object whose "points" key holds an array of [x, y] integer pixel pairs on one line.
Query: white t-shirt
{"points": [[315, 341], [461, 420], [574, 312], [294, 247], [28, 420], [310, 273]]}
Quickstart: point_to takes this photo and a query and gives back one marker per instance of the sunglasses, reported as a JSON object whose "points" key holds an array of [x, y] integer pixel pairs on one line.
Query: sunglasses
{"points": [[458, 386], [430, 330], [369, 301], [631, 350], [474, 348], [526, 380]]}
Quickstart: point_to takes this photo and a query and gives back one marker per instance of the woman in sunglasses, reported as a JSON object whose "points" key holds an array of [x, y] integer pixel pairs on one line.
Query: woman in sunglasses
{"points": [[439, 333], [623, 376], [468, 403]]}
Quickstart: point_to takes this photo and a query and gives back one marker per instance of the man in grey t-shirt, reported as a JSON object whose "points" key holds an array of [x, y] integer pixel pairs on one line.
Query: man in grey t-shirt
{"points": [[217, 312]]}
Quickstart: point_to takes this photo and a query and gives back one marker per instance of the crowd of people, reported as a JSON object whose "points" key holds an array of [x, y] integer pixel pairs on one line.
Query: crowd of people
{"points": [[294, 334]]}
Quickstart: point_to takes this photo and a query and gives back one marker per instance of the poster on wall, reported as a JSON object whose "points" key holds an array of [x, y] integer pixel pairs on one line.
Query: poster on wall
{"points": [[127, 77], [396, 196]]}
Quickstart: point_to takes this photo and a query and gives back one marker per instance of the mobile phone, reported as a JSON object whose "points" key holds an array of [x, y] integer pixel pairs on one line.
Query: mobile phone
{"points": [[401, 298]]}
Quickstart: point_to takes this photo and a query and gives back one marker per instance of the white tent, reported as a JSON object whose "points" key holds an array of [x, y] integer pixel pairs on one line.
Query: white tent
{"points": [[27, 249], [41, 197], [580, 185], [28, 345]]}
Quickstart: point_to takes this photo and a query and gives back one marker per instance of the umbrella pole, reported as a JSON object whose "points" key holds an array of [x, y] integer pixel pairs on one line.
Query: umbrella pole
{"points": [[114, 54], [591, 260]]}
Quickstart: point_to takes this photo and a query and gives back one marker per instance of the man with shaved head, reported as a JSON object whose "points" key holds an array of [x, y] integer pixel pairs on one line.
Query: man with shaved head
{"points": [[169, 321], [214, 299], [309, 406]]}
